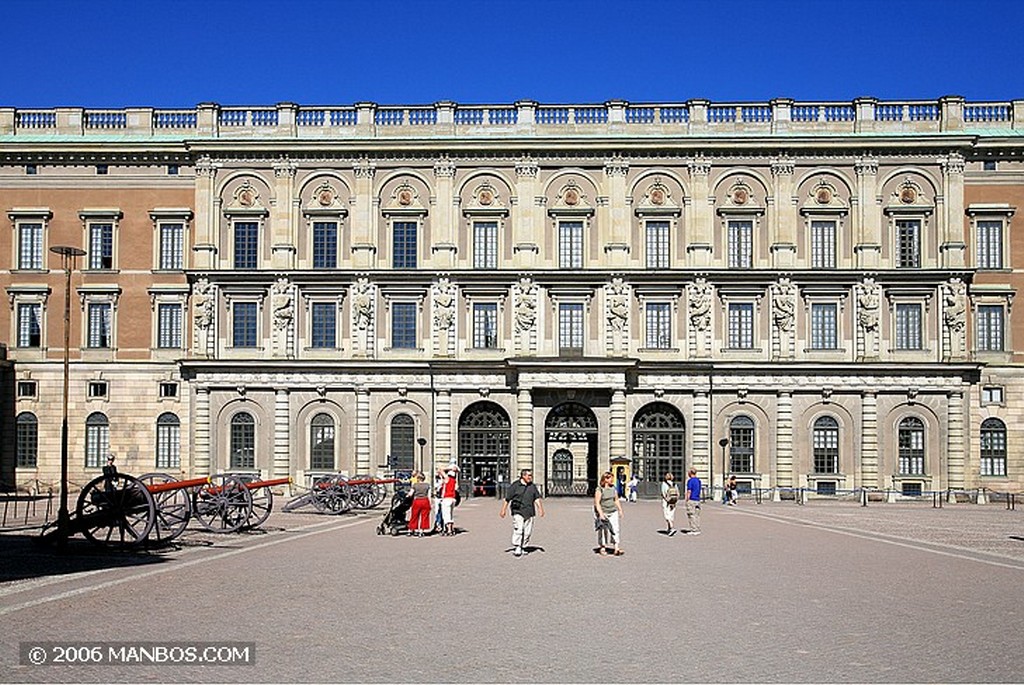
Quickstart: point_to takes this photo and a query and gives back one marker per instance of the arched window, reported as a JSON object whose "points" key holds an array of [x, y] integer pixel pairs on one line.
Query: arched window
{"points": [[741, 445], [403, 441], [659, 439], [321, 443], [243, 441], [826, 445], [911, 446], [27, 440], [97, 440], [485, 442], [993, 447], [561, 468], [168, 441]]}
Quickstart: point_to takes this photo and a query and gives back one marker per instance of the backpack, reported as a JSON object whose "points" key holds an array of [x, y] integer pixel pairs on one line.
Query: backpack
{"points": [[672, 495]]}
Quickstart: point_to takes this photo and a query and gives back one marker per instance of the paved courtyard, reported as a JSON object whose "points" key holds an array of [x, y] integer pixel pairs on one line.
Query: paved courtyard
{"points": [[827, 592]]}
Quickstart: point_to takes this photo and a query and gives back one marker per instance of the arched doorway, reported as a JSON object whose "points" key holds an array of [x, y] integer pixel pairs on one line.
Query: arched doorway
{"points": [[570, 439], [485, 446], [659, 439]]}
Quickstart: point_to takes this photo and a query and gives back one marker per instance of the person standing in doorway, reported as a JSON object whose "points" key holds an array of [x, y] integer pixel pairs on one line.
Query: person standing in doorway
{"points": [[693, 488], [669, 499], [607, 513], [524, 500]]}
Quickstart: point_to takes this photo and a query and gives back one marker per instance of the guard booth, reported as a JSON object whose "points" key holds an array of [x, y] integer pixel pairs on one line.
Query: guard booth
{"points": [[622, 470]]}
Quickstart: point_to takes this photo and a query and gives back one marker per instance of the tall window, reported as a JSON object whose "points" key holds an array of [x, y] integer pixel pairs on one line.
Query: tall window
{"points": [[324, 325], [741, 445], [908, 243], [97, 440], [990, 245], [823, 244], [485, 325], [825, 441], [26, 440], [561, 468], [485, 244], [169, 325], [247, 234], [172, 245], [243, 441], [657, 245], [659, 325], [911, 446], [993, 448], [30, 246], [404, 245], [908, 327], [99, 325], [403, 325], [243, 324], [990, 328], [403, 443], [30, 324], [659, 442], [325, 244], [570, 328], [168, 441], [101, 246], [741, 326], [823, 327], [570, 244], [321, 443], [741, 244]]}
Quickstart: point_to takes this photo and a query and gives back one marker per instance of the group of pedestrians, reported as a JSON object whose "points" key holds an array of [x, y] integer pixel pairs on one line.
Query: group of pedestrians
{"points": [[433, 505], [670, 495]]}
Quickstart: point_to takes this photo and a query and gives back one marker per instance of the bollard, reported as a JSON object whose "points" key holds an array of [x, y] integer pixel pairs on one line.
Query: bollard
{"points": [[863, 497]]}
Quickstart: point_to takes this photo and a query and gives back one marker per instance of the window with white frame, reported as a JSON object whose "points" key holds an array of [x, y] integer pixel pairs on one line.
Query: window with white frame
{"points": [[100, 325], [97, 440], [990, 328], [30, 245], [908, 243], [741, 243], [28, 389], [323, 333], [657, 244], [989, 252], [404, 245], [325, 244], [26, 440], [485, 244], [993, 447], [246, 244], [485, 325], [908, 327], [172, 245], [992, 394], [244, 324], [30, 317], [168, 441], [911, 446], [741, 325], [824, 326], [101, 245], [403, 325], [658, 325], [570, 328], [823, 244], [825, 445], [169, 325], [321, 442], [570, 244]]}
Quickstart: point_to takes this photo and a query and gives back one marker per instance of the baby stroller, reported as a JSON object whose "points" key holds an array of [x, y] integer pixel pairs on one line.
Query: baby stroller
{"points": [[396, 519]]}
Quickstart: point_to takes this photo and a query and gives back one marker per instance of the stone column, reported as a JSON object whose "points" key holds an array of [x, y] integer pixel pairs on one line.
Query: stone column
{"points": [[282, 238], [530, 219], [362, 463], [953, 248], [524, 457], [956, 457], [445, 219], [784, 474], [616, 230], [782, 217], [869, 441], [364, 218], [443, 428], [201, 457], [207, 220], [282, 434], [699, 249], [868, 246], [702, 435], [617, 425]]}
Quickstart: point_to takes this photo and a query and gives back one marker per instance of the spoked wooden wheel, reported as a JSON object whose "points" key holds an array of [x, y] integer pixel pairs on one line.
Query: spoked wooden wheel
{"points": [[222, 506], [173, 507], [115, 511]]}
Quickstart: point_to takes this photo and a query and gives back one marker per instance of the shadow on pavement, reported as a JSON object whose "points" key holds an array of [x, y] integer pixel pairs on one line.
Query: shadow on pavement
{"points": [[26, 556]]}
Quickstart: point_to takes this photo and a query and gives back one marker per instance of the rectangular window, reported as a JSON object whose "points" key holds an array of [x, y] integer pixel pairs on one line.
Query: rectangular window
{"points": [[992, 394], [325, 245], [404, 245], [570, 328], [172, 242], [570, 244], [741, 326], [908, 243], [908, 327], [485, 244], [990, 328], [30, 246], [823, 327], [657, 245], [30, 324], [990, 244], [97, 389], [27, 389], [741, 244], [168, 389], [823, 244], [403, 325], [485, 326], [246, 244], [169, 326], [101, 246], [659, 325], [243, 324], [99, 325], [323, 329]]}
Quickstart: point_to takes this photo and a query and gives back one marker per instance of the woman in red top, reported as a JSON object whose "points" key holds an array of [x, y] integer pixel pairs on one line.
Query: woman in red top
{"points": [[448, 489]]}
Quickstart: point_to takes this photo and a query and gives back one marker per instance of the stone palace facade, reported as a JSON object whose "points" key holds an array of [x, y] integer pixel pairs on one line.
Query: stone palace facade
{"points": [[811, 295]]}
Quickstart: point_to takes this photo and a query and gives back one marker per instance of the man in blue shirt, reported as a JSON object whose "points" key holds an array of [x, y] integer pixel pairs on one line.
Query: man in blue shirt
{"points": [[693, 503]]}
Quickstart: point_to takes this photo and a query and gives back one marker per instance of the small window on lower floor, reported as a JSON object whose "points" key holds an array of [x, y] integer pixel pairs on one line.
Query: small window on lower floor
{"points": [[912, 489], [826, 487], [168, 389], [97, 389], [27, 389], [992, 394]]}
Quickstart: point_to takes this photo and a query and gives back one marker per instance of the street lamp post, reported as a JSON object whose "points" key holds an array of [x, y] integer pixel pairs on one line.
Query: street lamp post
{"points": [[69, 256], [723, 443]]}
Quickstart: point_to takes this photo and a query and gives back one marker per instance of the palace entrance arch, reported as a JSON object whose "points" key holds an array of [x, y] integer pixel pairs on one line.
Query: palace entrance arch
{"points": [[570, 449], [659, 440], [485, 444]]}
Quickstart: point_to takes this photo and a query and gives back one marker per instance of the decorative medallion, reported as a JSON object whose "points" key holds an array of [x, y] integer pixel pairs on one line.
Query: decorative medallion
{"points": [[740, 195], [325, 197], [657, 196], [486, 196], [405, 197], [572, 197], [908, 194], [247, 197], [823, 195]]}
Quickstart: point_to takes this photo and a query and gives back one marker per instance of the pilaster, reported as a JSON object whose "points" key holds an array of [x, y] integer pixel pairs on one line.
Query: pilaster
{"points": [[362, 461], [702, 434], [953, 248], [956, 457], [617, 223], [207, 221], [525, 251], [201, 433], [868, 248], [869, 441], [364, 217], [782, 215], [784, 476], [282, 238], [699, 248], [282, 434], [443, 428], [617, 424], [445, 220], [524, 431]]}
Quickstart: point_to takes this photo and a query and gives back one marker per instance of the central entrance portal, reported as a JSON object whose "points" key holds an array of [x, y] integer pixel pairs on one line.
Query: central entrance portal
{"points": [[570, 441]]}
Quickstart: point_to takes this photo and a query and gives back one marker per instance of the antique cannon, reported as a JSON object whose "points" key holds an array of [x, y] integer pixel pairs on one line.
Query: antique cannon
{"points": [[334, 494]]}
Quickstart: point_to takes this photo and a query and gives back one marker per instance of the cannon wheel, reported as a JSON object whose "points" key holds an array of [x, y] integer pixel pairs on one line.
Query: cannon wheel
{"points": [[262, 505], [173, 507], [116, 511], [223, 505], [331, 494]]}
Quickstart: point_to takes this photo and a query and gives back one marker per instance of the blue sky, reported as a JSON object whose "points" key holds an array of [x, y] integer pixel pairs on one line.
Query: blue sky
{"points": [[176, 54]]}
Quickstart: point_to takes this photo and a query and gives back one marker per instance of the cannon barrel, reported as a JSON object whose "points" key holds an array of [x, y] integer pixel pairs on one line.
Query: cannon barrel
{"points": [[253, 484], [177, 485]]}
